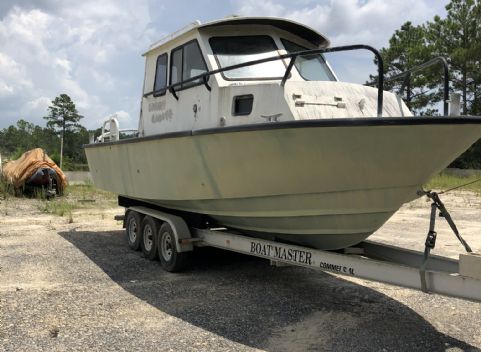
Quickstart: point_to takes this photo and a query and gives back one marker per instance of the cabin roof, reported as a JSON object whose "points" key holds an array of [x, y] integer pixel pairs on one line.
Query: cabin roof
{"points": [[295, 28]]}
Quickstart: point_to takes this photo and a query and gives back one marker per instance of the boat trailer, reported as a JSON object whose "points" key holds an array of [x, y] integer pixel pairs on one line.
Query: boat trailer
{"points": [[367, 260]]}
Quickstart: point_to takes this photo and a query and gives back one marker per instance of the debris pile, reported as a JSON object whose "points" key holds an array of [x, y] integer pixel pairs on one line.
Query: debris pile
{"points": [[35, 170]]}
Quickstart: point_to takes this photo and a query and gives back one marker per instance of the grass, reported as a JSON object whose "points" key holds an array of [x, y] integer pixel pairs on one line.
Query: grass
{"points": [[58, 207], [444, 181], [81, 196], [5, 190], [87, 192], [5, 193]]}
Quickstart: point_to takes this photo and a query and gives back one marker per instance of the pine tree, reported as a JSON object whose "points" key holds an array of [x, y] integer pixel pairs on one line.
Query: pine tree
{"points": [[458, 37], [63, 117], [409, 47]]}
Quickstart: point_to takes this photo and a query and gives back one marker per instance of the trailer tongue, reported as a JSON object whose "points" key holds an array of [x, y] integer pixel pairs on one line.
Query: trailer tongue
{"points": [[368, 260]]}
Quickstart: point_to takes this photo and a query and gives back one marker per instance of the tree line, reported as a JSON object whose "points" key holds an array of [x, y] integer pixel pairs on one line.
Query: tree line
{"points": [[62, 138]]}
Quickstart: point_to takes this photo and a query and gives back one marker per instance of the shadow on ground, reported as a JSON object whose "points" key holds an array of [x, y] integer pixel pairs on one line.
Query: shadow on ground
{"points": [[245, 300]]}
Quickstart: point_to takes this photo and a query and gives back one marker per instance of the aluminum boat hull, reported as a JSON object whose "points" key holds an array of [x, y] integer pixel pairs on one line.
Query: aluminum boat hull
{"points": [[326, 183]]}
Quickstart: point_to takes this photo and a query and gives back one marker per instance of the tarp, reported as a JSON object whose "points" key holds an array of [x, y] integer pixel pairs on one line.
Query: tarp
{"points": [[17, 172]]}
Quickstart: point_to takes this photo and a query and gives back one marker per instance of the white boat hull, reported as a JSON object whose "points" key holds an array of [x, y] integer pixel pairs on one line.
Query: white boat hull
{"points": [[327, 183]]}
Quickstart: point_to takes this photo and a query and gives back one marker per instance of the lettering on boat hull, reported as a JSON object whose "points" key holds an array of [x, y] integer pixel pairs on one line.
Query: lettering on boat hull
{"points": [[162, 116]]}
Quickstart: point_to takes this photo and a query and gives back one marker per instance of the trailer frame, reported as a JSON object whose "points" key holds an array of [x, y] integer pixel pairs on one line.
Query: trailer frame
{"points": [[368, 260]]}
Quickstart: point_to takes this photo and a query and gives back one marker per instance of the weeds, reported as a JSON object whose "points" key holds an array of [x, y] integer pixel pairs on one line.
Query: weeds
{"points": [[444, 182], [58, 207], [87, 191], [39, 193], [82, 196], [4, 195], [6, 190]]}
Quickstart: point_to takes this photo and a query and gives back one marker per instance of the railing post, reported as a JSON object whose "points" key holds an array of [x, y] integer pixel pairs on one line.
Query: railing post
{"points": [[172, 90], [408, 89], [380, 82], [446, 86], [407, 77], [204, 79], [288, 70]]}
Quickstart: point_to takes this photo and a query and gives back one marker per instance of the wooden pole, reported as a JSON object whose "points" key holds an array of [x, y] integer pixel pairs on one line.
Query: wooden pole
{"points": [[61, 150]]}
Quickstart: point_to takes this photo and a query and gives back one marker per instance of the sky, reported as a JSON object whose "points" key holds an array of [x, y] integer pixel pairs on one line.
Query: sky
{"points": [[91, 49]]}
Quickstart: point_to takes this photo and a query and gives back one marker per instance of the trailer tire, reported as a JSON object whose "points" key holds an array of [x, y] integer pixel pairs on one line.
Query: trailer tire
{"points": [[133, 222], [148, 243], [170, 259]]}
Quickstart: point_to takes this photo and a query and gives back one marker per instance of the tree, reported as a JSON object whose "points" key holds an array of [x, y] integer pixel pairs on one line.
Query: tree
{"points": [[17, 139], [458, 37], [409, 47], [63, 117]]}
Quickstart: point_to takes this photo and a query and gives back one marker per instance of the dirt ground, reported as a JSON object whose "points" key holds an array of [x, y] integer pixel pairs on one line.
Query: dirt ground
{"points": [[71, 283]]}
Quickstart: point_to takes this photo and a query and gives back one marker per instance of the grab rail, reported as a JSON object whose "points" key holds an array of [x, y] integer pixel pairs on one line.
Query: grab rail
{"points": [[204, 76], [407, 79], [113, 132]]}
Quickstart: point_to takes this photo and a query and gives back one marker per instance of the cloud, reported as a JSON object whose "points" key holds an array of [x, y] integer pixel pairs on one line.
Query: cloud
{"points": [[348, 21], [5, 90], [52, 47], [122, 116], [8, 66], [37, 106], [345, 22]]}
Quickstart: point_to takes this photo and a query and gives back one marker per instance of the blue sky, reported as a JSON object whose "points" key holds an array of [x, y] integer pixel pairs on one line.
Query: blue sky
{"points": [[91, 49]]}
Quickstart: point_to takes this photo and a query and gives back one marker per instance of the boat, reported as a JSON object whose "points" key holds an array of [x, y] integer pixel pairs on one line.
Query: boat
{"points": [[244, 122]]}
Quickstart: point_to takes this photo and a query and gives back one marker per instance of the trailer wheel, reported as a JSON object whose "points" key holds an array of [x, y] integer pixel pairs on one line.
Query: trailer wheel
{"points": [[132, 229], [170, 259], [148, 244]]}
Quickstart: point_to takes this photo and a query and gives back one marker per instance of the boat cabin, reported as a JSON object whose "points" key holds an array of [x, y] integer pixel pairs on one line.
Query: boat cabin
{"points": [[175, 100]]}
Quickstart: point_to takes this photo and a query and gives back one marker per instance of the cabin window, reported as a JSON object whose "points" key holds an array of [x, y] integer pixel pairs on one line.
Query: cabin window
{"points": [[310, 67], [230, 51], [160, 75], [176, 66], [187, 62]]}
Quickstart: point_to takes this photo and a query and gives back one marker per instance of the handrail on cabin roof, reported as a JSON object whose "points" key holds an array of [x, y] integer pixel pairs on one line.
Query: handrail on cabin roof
{"points": [[407, 78], [204, 76]]}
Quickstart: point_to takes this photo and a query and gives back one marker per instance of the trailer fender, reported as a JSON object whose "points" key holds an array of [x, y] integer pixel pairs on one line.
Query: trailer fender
{"points": [[179, 226]]}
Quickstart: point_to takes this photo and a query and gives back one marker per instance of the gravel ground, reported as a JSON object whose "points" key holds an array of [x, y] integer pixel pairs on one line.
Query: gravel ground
{"points": [[76, 286]]}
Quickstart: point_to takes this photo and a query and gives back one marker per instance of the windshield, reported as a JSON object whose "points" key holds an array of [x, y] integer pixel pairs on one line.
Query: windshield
{"points": [[235, 50], [310, 67]]}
